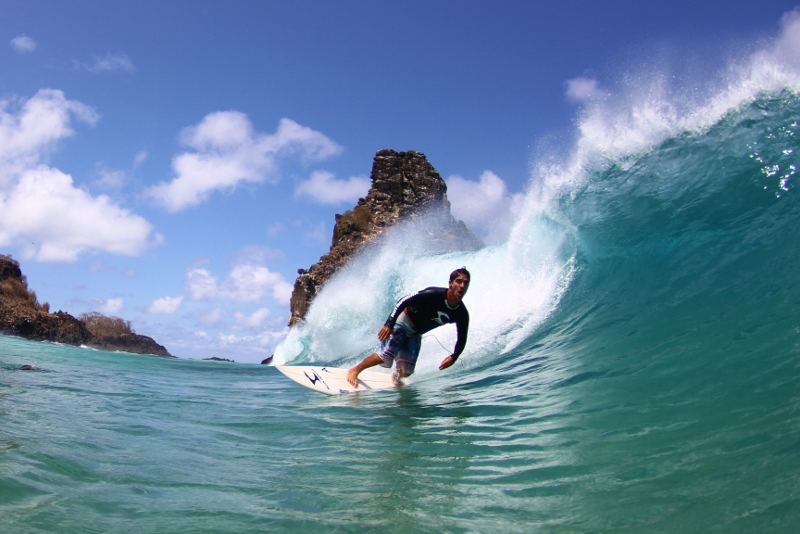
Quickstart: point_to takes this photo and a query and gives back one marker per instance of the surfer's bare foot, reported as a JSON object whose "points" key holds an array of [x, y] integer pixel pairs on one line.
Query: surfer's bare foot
{"points": [[352, 376], [398, 376], [370, 361]]}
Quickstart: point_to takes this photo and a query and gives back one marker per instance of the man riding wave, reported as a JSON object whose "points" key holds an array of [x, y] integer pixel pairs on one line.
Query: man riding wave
{"points": [[413, 316]]}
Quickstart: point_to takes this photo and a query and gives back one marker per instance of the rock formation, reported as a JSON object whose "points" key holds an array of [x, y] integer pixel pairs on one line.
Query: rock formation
{"points": [[135, 343], [405, 186], [22, 315], [19, 319]]}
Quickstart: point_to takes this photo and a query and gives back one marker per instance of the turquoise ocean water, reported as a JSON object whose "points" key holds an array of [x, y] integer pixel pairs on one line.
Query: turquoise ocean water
{"points": [[633, 366]]}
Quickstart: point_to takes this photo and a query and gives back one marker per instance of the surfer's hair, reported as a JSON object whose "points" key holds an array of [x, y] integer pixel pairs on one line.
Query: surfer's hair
{"points": [[462, 271]]}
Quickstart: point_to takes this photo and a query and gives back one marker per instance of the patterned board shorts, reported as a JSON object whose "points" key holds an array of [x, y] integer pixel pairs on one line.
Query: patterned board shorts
{"points": [[401, 347]]}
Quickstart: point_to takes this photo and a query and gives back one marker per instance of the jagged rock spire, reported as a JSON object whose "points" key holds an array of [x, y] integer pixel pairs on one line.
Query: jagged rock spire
{"points": [[404, 185]]}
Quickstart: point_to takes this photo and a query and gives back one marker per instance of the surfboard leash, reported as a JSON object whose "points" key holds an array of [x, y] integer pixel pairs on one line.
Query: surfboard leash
{"points": [[437, 340]]}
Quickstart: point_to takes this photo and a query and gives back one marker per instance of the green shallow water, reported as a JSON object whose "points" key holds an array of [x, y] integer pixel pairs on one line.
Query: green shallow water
{"points": [[98, 442]]}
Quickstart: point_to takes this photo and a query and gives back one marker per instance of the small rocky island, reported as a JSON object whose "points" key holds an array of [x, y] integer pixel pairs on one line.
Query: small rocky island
{"points": [[22, 315], [405, 186]]}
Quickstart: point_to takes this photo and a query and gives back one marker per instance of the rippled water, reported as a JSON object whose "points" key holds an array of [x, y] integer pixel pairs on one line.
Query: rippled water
{"points": [[98, 442]]}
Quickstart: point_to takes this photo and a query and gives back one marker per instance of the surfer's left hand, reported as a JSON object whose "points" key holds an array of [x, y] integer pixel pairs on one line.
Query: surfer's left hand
{"points": [[447, 362]]}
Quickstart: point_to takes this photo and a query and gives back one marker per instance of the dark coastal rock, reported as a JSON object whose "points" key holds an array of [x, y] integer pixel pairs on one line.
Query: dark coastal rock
{"points": [[265, 361], [22, 315], [9, 268], [134, 343], [20, 319], [405, 186]]}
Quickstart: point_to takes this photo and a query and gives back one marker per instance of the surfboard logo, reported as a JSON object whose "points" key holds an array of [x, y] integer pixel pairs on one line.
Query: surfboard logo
{"points": [[333, 380], [316, 379], [439, 320]]}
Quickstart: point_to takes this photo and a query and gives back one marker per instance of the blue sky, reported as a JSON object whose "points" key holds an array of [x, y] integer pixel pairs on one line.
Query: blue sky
{"points": [[175, 163]]}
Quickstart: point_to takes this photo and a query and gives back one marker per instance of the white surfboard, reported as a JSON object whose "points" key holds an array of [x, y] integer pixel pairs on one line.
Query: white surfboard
{"points": [[333, 381]]}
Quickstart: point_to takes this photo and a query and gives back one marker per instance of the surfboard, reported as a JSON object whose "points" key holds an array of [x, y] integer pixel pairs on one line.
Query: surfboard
{"points": [[333, 381]]}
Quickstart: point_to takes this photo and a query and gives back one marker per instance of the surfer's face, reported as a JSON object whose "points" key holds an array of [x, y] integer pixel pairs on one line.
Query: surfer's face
{"points": [[459, 286]]}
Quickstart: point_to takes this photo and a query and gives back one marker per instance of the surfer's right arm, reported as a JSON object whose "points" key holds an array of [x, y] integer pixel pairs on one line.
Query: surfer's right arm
{"points": [[398, 309], [386, 331], [383, 334], [403, 303]]}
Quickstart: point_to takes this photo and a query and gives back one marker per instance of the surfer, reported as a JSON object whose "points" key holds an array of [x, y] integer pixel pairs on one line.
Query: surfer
{"points": [[401, 335]]}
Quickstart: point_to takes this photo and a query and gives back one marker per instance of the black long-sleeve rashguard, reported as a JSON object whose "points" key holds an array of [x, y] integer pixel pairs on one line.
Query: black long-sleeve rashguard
{"points": [[428, 309]]}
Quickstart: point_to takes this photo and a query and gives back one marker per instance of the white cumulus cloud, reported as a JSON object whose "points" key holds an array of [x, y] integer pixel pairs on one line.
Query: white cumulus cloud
{"points": [[485, 206], [30, 129], [165, 305], [581, 89], [247, 281], [253, 321], [62, 221], [23, 44], [226, 151], [324, 188], [41, 209], [202, 284], [113, 305]]}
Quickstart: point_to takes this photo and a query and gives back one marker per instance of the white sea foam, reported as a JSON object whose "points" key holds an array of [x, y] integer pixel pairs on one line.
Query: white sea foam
{"points": [[514, 287], [655, 104]]}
